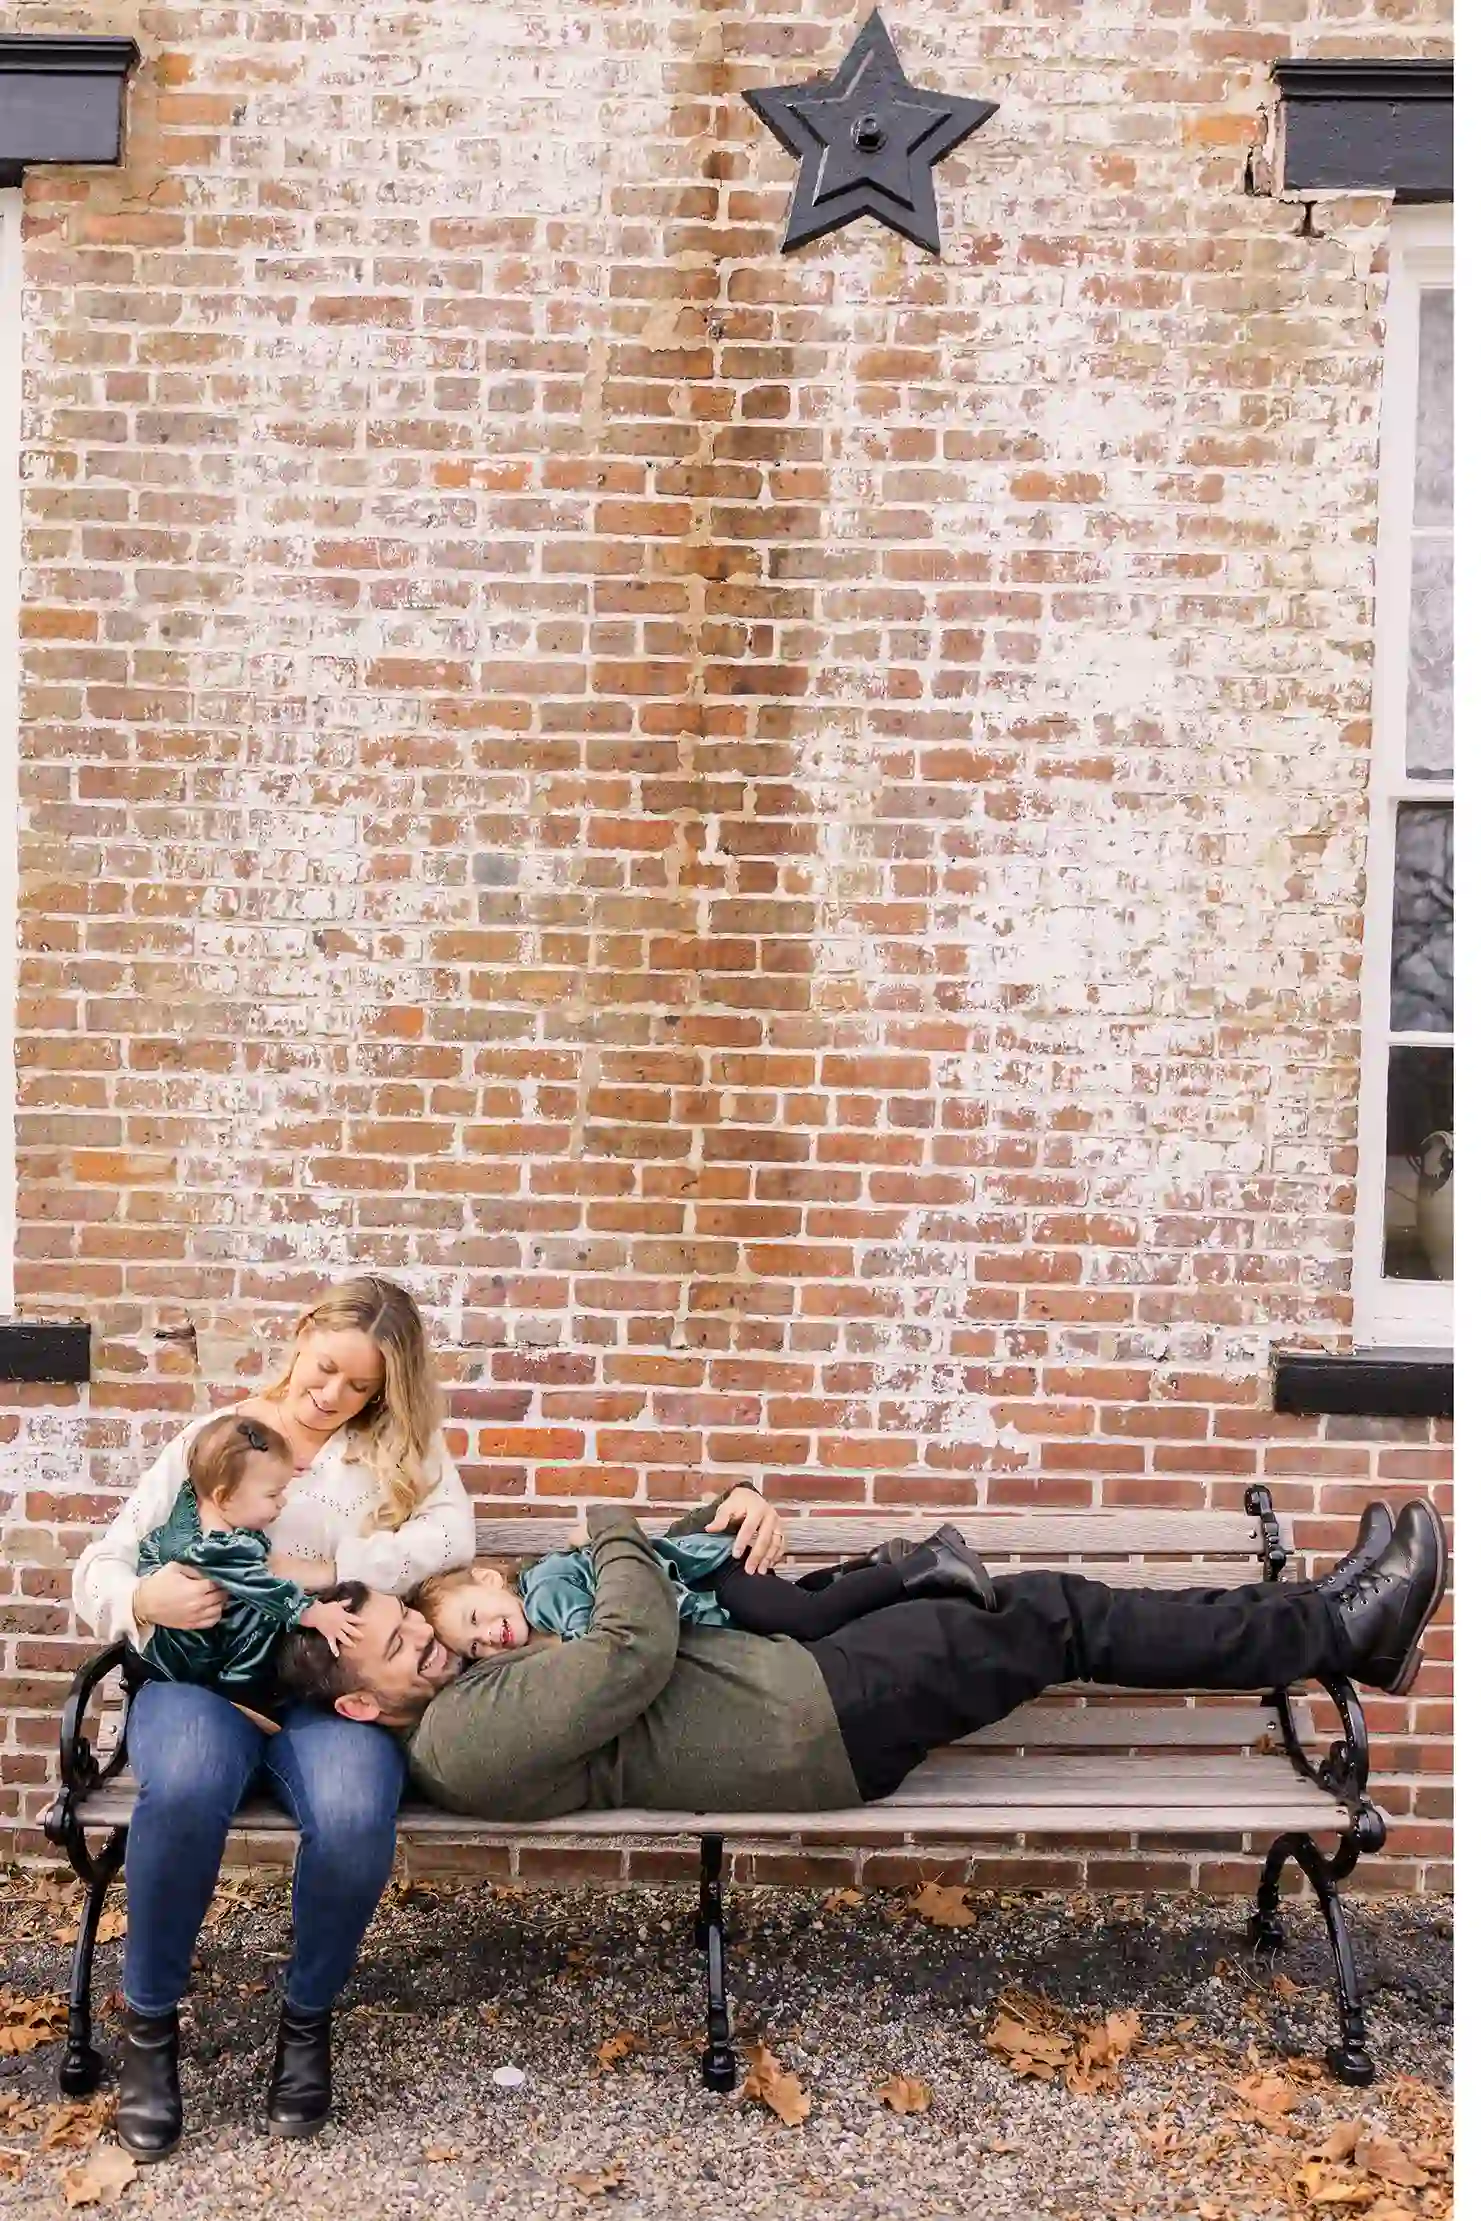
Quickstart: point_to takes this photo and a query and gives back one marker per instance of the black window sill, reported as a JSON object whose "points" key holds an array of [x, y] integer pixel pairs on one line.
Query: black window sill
{"points": [[36, 1349], [1370, 1384]]}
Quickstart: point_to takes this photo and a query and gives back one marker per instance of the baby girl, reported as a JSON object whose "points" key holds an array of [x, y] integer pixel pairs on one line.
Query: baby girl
{"points": [[237, 1476]]}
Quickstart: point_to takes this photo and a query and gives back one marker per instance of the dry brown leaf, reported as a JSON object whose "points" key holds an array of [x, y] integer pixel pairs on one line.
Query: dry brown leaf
{"points": [[27, 2022], [103, 2176], [769, 2082], [1269, 2096], [1099, 2051], [72, 2128], [1391, 2164], [12, 2164], [1283, 1986], [594, 2185], [436, 2154], [943, 1907], [903, 2094], [1185, 2027], [1343, 2141], [617, 2047], [839, 1900], [1331, 2186], [1029, 2051], [1161, 2138]]}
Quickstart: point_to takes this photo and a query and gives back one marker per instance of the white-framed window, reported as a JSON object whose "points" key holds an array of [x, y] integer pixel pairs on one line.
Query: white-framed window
{"points": [[1403, 1270], [10, 708]]}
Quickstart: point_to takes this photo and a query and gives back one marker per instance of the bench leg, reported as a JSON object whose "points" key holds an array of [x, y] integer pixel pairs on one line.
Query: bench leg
{"points": [[81, 2067], [717, 2067], [1349, 2060]]}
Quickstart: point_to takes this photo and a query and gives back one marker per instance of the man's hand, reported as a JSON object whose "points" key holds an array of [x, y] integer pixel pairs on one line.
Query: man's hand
{"points": [[760, 1537]]}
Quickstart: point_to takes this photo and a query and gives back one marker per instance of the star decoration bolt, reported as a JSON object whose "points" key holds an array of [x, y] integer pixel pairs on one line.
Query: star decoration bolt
{"points": [[867, 140]]}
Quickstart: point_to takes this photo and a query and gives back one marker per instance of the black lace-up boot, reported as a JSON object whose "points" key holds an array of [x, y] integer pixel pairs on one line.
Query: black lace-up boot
{"points": [[1384, 1609], [1375, 1532]]}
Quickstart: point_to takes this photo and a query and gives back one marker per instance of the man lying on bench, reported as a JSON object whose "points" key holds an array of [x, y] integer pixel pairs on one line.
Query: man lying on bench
{"points": [[642, 1711]]}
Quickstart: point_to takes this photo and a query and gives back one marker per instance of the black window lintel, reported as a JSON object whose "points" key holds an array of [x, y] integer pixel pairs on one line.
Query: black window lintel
{"points": [[1373, 1384]]}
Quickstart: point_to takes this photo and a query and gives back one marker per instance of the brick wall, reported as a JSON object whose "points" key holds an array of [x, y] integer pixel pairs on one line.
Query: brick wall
{"points": [[781, 839]]}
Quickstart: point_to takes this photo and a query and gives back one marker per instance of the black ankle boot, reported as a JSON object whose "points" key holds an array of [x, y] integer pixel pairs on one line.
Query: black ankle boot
{"points": [[149, 2118], [300, 2092], [1375, 1533], [946, 1565], [1384, 1609]]}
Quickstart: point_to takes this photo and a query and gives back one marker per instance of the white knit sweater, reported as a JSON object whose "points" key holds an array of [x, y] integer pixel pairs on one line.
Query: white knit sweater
{"points": [[325, 1515]]}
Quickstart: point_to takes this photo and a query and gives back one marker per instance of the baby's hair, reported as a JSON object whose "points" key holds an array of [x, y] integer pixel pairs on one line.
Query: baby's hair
{"points": [[219, 1454], [426, 1597]]}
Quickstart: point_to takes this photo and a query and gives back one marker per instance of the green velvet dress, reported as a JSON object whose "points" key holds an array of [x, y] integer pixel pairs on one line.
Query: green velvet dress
{"points": [[558, 1592], [235, 1655]]}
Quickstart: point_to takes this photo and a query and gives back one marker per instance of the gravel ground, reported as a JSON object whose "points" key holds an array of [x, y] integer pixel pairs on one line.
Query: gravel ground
{"points": [[460, 1979]]}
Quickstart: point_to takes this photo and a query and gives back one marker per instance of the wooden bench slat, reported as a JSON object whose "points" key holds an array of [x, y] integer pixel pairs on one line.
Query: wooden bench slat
{"points": [[1289, 1804], [1140, 1727], [997, 1535]]}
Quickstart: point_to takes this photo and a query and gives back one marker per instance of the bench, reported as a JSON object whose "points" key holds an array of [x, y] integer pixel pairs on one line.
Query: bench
{"points": [[1079, 1762]]}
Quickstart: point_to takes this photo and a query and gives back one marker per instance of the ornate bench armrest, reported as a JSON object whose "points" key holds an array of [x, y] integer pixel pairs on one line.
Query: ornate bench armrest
{"points": [[1343, 1773], [80, 1771]]}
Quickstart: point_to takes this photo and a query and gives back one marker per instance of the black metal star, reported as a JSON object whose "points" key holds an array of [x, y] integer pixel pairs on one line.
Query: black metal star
{"points": [[867, 139]]}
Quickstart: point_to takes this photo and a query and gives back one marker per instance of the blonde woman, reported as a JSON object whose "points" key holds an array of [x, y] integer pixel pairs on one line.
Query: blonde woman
{"points": [[376, 1498]]}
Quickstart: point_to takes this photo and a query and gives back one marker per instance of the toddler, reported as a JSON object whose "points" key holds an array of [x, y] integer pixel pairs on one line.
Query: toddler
{"points": [[497, 1604], [238, 1472]]}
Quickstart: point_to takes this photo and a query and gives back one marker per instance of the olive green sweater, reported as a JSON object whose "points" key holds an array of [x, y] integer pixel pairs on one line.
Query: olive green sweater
{"points": [[635, 1712]]}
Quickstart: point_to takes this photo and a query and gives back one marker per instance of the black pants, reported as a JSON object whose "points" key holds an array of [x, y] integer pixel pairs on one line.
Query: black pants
{"points": [[922, 1673], [819, 1604]]}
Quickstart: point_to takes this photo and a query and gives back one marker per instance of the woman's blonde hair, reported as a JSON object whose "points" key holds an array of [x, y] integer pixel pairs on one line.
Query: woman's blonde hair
{"points": [[395, 1431]]}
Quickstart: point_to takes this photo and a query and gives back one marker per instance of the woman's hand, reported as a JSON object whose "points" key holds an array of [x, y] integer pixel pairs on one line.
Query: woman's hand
{"points": [[178, 1596], [577, 1536], [760, 1537]]}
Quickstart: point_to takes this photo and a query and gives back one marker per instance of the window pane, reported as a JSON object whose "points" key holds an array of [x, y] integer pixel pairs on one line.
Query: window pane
{"points": [[1419, 1194], [1422, 965], [1434, 442], [1429, 740]]}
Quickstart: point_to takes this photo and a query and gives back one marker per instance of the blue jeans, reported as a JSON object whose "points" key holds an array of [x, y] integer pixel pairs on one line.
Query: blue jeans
{"points": [[194, 1757]]}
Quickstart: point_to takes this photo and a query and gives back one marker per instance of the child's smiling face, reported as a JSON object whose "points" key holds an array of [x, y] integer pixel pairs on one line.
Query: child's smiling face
{"points": [[482, 1616]]}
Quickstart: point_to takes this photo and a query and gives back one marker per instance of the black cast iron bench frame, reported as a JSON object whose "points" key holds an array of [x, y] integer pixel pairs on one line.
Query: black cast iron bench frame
{"points": [[949, 1798]]}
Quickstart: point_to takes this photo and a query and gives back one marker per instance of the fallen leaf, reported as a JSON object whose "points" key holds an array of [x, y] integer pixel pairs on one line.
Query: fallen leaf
{"points": [[435, 2154], [903, 2094], [1160, 2138], [1343, 2141], [72, 2128], [1390, 2164], [769, 2082], [1099, 2051], [1332, 2186], [1185, 2027], [103, 2176], [26, 2022], [1269, 2096], [12, 2164], [944, 1908], [488, 2014], [1029, 2050], [838, 1900], [617, 2047], [1283, 1986], [593, 2186]]}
